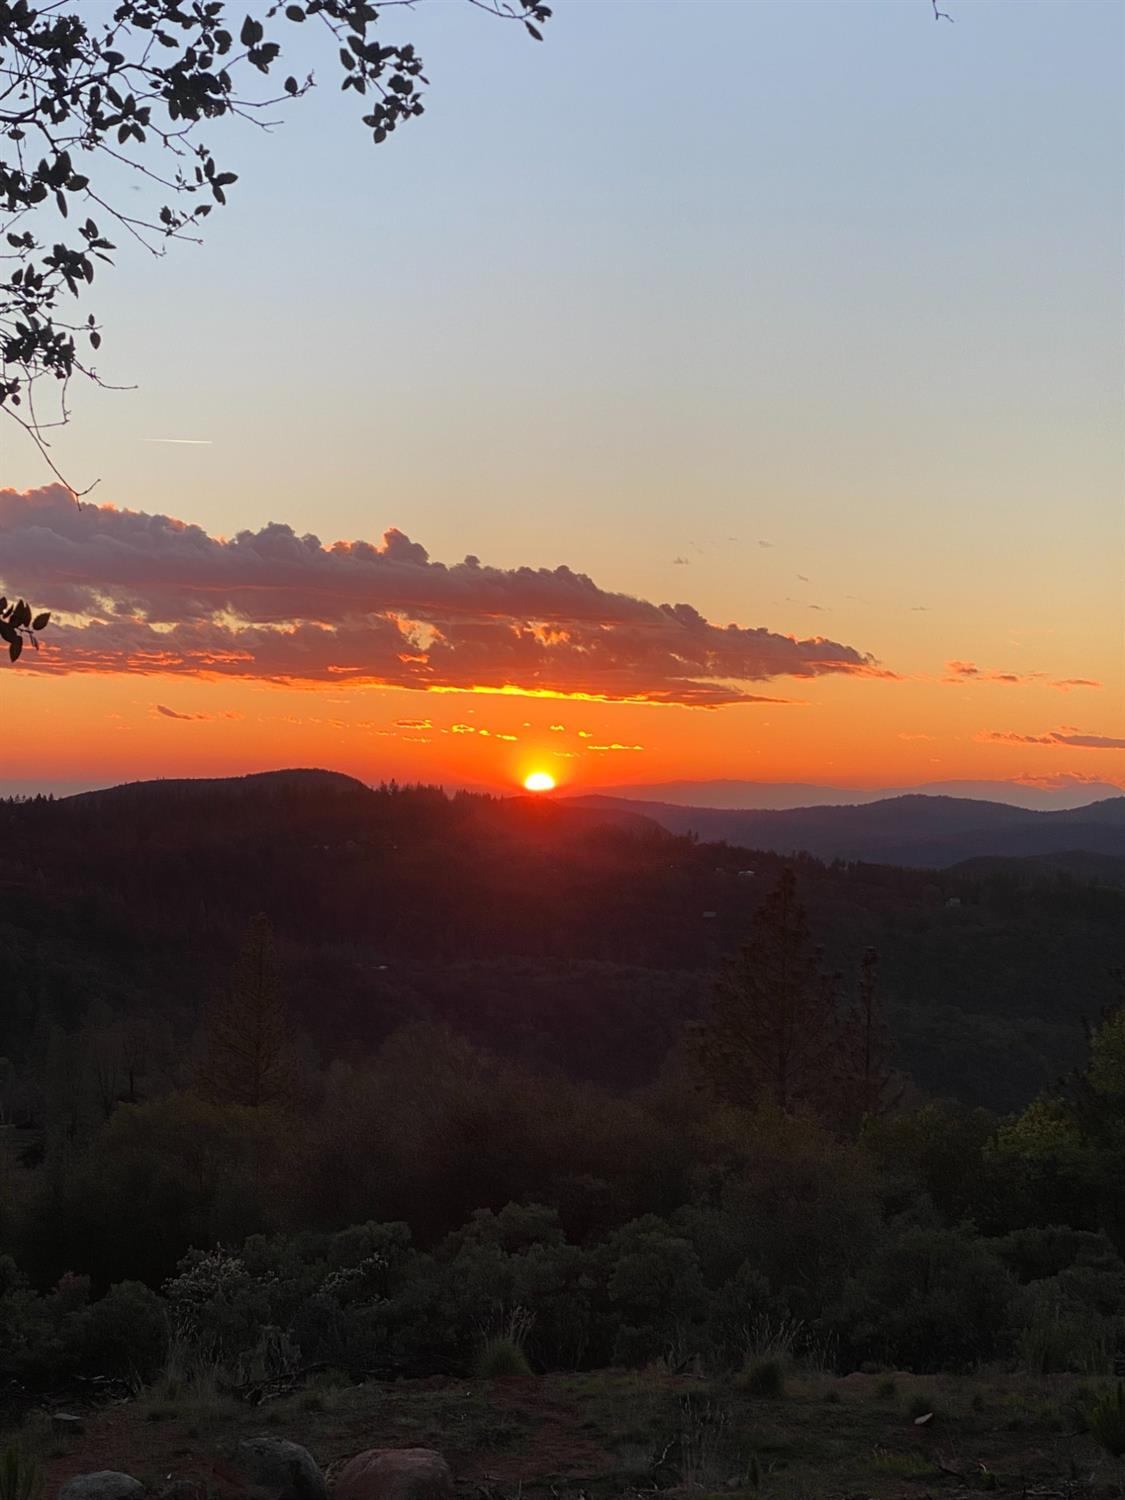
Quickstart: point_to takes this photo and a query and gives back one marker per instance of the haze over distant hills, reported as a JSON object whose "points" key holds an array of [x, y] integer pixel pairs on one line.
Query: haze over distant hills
{"points": [[914, 830], [787, 794]]}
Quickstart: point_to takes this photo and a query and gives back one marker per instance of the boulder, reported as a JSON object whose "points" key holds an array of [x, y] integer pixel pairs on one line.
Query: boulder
{"points": [[184, 1489], [395, 1474], [106, 1484], [281, 1470]]}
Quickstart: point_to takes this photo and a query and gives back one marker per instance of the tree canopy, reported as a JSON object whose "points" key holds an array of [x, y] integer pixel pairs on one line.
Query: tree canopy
{"points": [[93, 97]]}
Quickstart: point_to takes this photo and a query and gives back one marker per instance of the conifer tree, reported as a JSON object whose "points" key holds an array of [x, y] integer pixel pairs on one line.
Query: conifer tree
{"points": [[869, 1085], [248, 1056], [773, 1034]]}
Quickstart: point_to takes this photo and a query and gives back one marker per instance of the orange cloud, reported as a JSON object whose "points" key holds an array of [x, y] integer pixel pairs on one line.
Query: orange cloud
{"points": [[968, 671], [150, 594], [1065, 736]]}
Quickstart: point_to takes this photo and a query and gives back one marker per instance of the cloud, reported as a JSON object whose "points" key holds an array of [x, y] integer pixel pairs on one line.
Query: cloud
{"points": [[150, 594], [681, 562], [1062, 780], [968, 671], [170, 713], [1065, 736]]}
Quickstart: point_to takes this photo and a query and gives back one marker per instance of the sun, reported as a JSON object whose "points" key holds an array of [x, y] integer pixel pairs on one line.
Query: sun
{"points": [[539, 781]]}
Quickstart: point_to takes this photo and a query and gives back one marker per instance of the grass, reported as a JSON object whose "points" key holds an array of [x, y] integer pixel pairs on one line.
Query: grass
{"points": [[498, 1357], [187, 1389], [763, 1377], [1106, 1420], [902, 1465], [20, 1475], [921, 1404], [601, 1434]]}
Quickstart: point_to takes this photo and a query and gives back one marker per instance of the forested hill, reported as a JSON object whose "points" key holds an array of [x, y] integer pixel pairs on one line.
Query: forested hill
{"points": [[535, 927], [933, 831]]}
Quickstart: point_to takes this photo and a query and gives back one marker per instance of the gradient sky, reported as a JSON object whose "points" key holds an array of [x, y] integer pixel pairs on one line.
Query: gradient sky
{"points": [[809, 316]]}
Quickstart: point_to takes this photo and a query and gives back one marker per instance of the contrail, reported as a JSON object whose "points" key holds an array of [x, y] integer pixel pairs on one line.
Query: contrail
{"points": [[186, 442]]}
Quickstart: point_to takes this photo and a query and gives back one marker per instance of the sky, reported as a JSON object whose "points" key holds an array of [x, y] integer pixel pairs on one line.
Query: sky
{"points": [[766, 361]]}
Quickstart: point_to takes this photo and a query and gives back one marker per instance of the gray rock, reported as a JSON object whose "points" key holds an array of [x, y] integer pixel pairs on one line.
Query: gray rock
{"points": [[283, 1470], [184, 1489], [395, 1474], [106, 1484]]}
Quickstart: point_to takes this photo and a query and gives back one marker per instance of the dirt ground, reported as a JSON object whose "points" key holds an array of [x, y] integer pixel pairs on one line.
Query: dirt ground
{"points": [[625, 1432]]}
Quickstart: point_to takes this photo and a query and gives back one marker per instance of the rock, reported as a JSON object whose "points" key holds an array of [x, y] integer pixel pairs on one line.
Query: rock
{"points": [[395, 1474], [106, 1484], [184, 1489], [285, 1471]]}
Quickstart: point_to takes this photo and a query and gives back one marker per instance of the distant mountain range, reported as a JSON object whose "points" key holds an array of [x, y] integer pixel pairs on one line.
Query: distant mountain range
{"points": [[787, 794], [917, 830]]}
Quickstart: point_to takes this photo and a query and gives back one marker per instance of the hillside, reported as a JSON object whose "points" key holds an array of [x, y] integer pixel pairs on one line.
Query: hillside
{"points": [[786, 794], [526, 924], [926, 831]]}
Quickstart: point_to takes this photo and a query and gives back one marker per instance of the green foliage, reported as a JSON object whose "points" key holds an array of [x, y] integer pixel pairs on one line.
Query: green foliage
{"points": [[126, 1331], [1056, 1332], [1106, 1420], [248, 1052], [20, 1475], [886, 1389], [98, 77], [774, 1033], [930, 1299], [498, 1357], [763, 1377]]}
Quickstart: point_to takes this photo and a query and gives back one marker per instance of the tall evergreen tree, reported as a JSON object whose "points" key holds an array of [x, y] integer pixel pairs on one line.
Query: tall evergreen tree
{"points": [[248, 1056], [774, 1030], [869, 1085]]}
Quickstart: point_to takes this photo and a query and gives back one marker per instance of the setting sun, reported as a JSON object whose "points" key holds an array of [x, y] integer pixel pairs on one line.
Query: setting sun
{"points": [[539, 781]]}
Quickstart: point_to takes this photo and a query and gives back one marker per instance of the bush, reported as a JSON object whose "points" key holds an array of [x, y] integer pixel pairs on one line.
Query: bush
{"points": [[886, 1389], [1107, 1420], [499, 1357], [763, 1377], [126, 1332], [20, 1476], [1058, 1334], [929, 1299]]}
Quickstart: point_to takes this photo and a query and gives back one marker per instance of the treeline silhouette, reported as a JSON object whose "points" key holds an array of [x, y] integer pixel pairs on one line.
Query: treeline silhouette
{"points": [[534, 929]]}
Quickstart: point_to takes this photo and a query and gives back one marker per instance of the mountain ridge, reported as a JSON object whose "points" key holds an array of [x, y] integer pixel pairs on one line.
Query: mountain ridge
{"points": [[911, 830]]}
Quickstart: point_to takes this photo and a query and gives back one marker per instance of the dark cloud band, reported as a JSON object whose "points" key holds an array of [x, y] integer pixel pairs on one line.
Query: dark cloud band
{"points": [[151, 594]]}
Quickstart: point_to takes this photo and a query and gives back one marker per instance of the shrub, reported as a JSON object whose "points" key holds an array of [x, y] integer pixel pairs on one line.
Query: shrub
{"points": [[1107, 1420], [498, 1357], [20, 1476], [886, 1389], [126, 1332], [763, 1377], [1056, 1333]]}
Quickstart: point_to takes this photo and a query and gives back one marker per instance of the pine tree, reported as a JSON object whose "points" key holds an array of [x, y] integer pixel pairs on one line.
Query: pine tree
{"points": [[773, 1034], [248, 1056], [869, 1085]]}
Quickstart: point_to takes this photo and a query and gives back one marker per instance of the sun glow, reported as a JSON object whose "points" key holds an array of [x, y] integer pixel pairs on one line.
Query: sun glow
{"points": [[539, 781]]}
